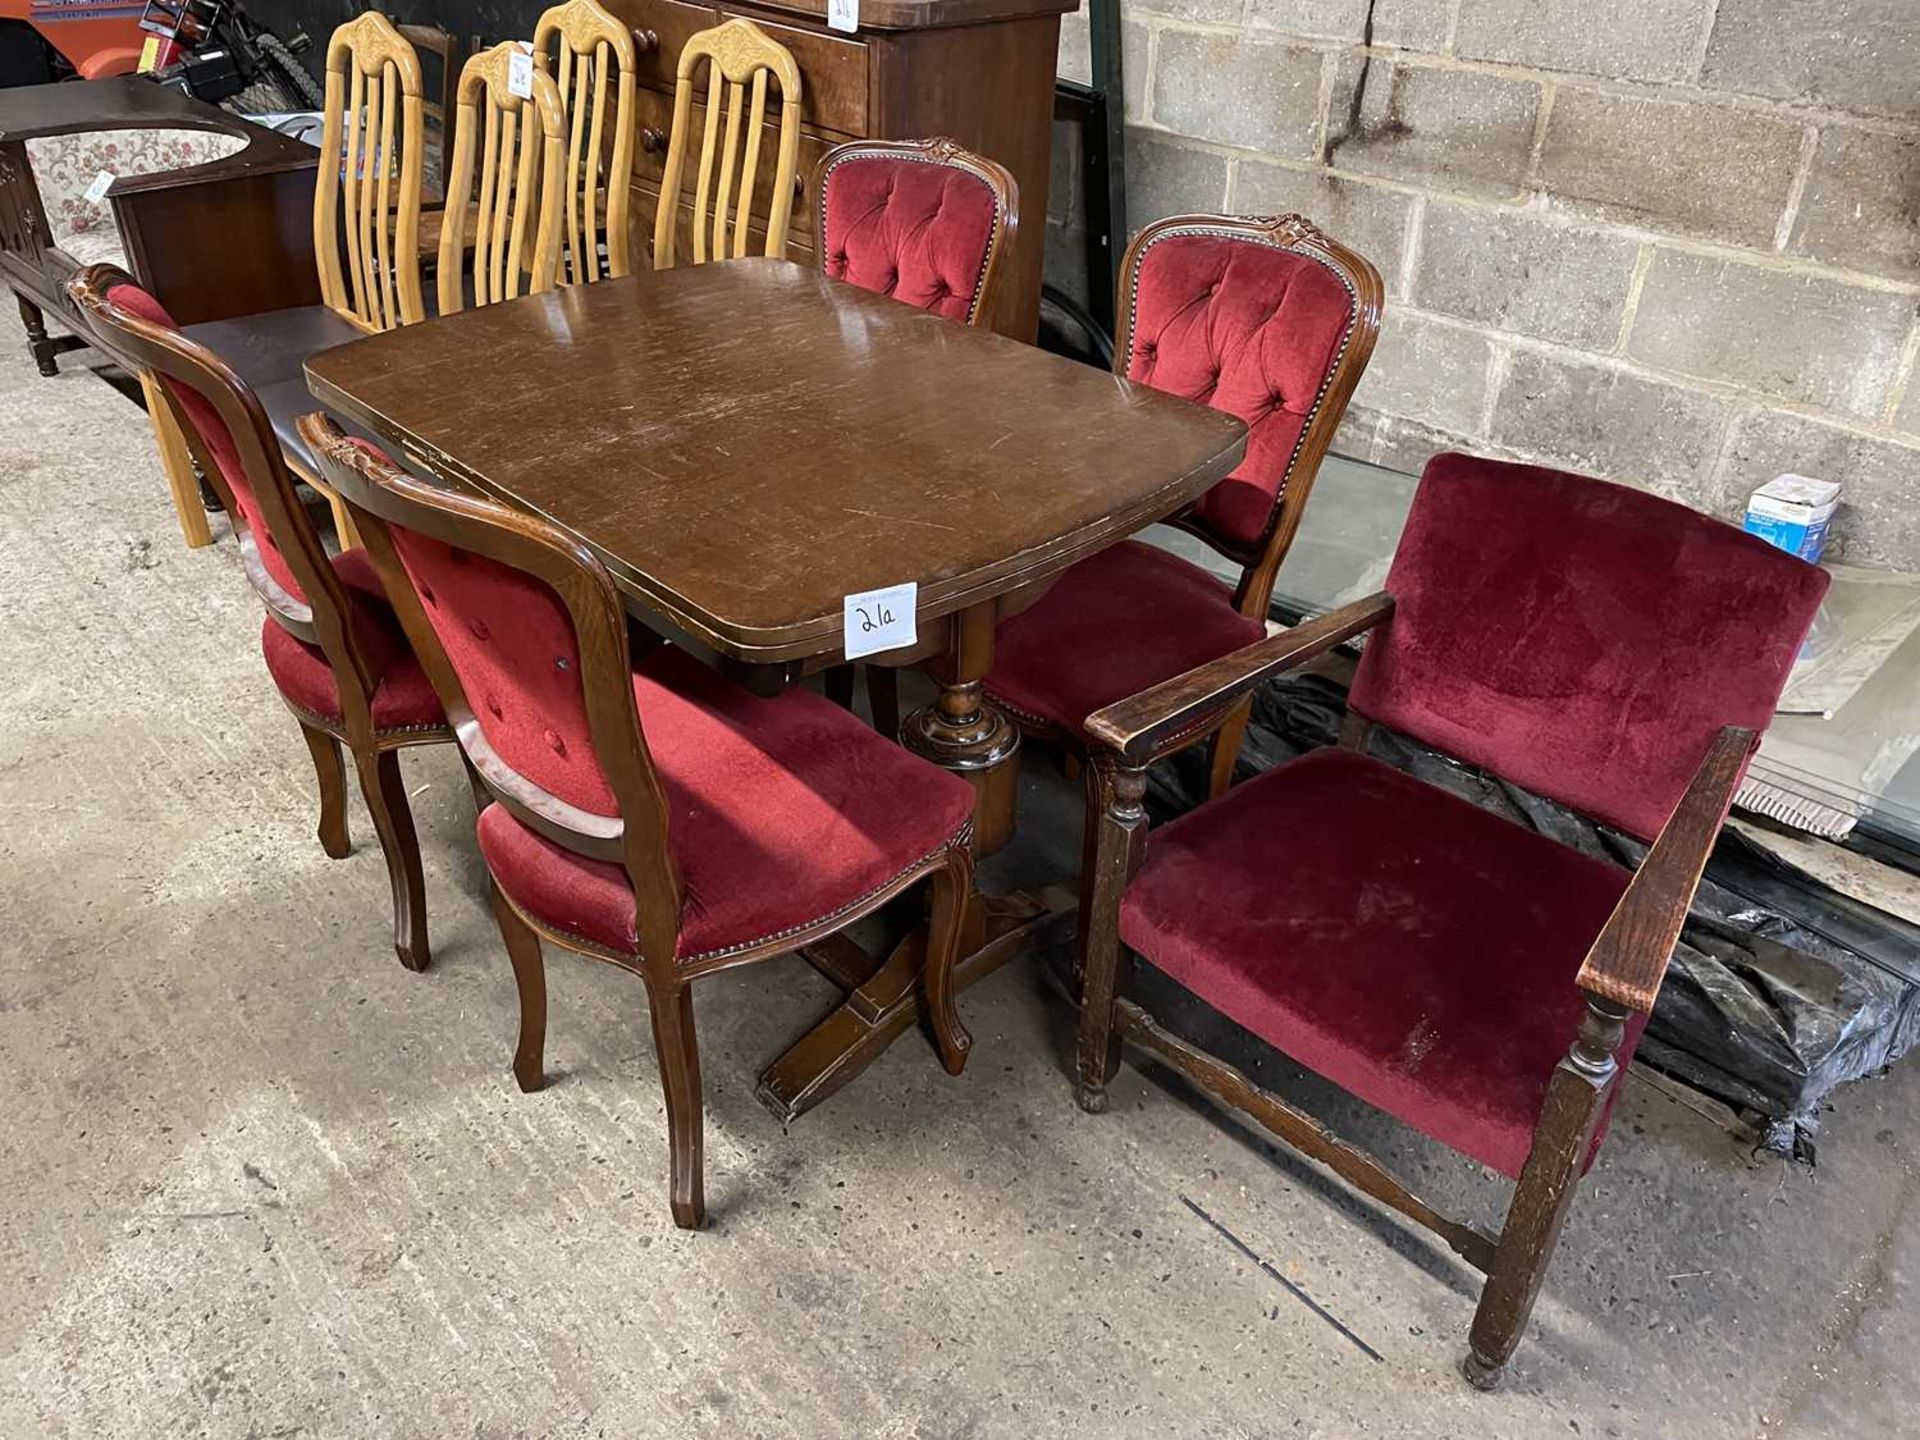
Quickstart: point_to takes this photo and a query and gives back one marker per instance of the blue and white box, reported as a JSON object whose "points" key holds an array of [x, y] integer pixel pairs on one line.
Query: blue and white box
{"points": [[1793, 513]]}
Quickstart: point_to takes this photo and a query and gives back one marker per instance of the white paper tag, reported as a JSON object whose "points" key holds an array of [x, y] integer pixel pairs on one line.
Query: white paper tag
{"points": [[879, 620], [520, 75], [97, 191], [843, 15]]}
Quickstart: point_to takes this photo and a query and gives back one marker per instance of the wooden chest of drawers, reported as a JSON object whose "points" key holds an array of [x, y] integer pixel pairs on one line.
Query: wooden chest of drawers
{"points": [[978, 70]]}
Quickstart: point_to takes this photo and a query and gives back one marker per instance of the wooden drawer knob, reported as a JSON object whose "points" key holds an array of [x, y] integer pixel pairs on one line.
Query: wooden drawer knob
{"points": [[646, 42], [651, 140]]}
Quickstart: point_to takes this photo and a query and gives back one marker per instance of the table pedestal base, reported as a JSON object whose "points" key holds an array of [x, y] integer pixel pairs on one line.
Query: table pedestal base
{"points": [[885, 999], [985, 752]]}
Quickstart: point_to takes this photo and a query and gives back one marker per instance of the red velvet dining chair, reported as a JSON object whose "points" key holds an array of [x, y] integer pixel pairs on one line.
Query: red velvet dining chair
{"points": [[646, 811], [332, 645], [1485, 984], [926, 222], [1272, 321]]}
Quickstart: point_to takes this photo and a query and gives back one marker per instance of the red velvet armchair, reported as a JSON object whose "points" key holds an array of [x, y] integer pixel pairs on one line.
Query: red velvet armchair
{"points": [[332, 644], [1478, 981], [644, 810], [1268, 319]]}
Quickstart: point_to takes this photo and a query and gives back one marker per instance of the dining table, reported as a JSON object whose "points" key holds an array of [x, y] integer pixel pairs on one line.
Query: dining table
{"points": [[749, 448]]}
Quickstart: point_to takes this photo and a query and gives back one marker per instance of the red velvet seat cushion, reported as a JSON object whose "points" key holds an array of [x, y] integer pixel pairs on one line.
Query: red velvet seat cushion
{"points": [[404, 698], [781, 812], [1249, 329], [1409, 946], [912, 229], [214, 434], [1582, 639], [1116, 623]]}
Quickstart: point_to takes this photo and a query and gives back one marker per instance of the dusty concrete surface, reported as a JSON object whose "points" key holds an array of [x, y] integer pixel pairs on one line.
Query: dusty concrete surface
{"points": [[256, 1180]]}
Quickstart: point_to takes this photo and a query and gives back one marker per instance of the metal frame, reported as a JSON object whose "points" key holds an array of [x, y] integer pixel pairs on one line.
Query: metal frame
{"points": [[1101, 109]]}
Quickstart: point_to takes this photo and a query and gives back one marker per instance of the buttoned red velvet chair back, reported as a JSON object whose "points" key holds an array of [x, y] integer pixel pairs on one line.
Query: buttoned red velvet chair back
{"points": [[217, 440], [512, 643], [922, 221], [1268, 320], [1584, 640], [510, 656]]}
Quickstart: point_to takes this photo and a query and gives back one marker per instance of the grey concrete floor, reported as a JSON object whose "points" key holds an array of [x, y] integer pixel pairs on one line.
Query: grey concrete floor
{"points": [[256, 1180]]}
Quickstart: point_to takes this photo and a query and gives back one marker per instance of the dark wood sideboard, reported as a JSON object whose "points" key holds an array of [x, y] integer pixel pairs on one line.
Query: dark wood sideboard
{"points": [[231, 237], [979, 70]]}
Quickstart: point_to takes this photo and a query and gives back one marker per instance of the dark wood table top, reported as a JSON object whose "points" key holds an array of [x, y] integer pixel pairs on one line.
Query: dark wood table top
{"points": [[745, 444]]}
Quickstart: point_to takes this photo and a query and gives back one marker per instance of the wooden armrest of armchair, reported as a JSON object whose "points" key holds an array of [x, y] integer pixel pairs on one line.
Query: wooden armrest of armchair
{"points": [[1143, 727], [1629, 960]]}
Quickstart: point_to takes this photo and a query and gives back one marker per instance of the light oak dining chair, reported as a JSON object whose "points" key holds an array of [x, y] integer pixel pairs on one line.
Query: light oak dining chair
{"points": [[728, 174], [595, 64], [366, 205], [366, 217], [332, 645], [522, 144], [643, 810]]}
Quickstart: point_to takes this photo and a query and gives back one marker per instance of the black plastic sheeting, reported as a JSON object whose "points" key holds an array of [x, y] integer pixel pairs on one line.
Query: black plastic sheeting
{"points": [[1781, 988]]}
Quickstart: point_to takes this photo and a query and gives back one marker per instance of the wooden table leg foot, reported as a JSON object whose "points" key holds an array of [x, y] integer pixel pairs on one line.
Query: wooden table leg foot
{"points": [[875, 1015]]}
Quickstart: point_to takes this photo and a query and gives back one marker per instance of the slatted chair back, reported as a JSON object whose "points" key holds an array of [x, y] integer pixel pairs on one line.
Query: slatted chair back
{"points": [[925, 221], [522, 173], [1269, 319], [366, 204], [740, 57], [592, 55]]}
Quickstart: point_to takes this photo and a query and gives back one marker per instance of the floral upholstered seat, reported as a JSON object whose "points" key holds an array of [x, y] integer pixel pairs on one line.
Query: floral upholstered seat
{"points": [[65, 168]]}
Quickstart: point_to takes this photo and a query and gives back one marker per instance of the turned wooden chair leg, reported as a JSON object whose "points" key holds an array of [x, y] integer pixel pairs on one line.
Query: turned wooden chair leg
{"points": [[670, 1005], [530, 978], [952, 892], [38, 341], [1576, 1096], [386, 796], [1106, 965], [332, 773], [1098, 793], [883, 698], [837, 684], [1223, 753], [176, 463]]}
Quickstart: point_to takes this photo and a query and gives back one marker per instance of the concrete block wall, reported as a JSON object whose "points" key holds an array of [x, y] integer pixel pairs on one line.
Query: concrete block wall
{"points": [[1671, 242]]}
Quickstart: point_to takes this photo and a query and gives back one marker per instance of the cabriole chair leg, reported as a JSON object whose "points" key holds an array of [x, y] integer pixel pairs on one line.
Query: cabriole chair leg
{"points": [[1576, 1096], [530, 979], [952, 892], [670, 1005], [332, 773], [386, 796]]}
